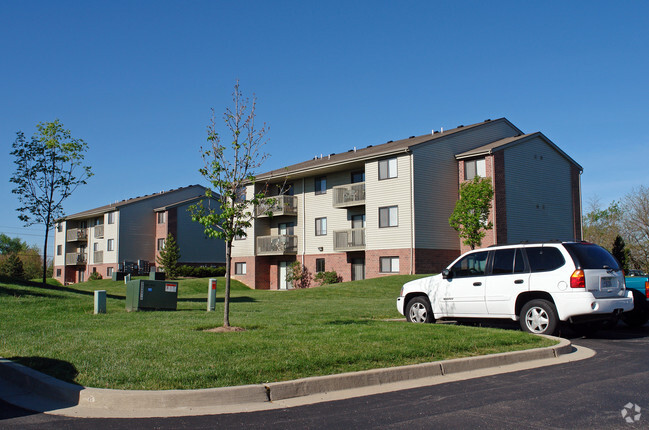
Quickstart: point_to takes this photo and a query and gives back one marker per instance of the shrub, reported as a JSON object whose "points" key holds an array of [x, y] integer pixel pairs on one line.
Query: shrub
{"points": [[298, 275], [327, 277], [94, 276], [200, 271]]}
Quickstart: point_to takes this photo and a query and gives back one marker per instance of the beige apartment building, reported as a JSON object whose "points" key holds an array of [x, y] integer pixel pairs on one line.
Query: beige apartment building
{"points": [[384, 209], [134, 230]]}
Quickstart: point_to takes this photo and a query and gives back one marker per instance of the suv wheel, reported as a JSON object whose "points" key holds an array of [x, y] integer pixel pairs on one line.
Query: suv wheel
{"points": [[539, 317], [418, 310]]}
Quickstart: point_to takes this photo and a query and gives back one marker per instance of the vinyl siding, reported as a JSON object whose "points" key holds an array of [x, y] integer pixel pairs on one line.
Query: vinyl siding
{"points": [[59, 239], [194, 246], [387, 192], [539, 193], [436, 182]]}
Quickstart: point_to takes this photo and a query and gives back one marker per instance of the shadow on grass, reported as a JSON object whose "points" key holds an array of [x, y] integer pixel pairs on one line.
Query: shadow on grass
{"points": [[45, 289], [59, 369], [350, 322], [17, 292], [240, 299]]}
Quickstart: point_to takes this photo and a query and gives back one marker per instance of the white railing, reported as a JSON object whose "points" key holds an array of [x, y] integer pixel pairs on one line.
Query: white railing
{"points": [[277, 245], [349, 240], [278, 205], [349, 195]]}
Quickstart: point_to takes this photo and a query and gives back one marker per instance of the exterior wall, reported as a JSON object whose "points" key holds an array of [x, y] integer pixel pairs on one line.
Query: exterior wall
{"points": [[434, 260], [539, 193], [339, 261], [194, 246], [137, 229], [246, 247], [161, 232], [575, 187], [372, 261], [500, 198], [435, 182]]}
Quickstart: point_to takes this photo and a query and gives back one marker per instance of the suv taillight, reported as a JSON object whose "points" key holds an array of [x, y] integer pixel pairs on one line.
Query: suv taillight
{"points": [[646, 289], [577, 279]]}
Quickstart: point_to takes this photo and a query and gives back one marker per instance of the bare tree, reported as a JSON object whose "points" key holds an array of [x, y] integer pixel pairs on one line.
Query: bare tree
{"points": [[636, 225]]}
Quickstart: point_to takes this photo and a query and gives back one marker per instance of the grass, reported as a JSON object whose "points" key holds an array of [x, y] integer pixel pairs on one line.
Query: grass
{"points": [[289, 334]]}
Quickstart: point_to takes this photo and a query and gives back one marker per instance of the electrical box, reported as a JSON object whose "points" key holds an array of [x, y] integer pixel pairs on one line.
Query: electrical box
{"points": [[143, 294]]}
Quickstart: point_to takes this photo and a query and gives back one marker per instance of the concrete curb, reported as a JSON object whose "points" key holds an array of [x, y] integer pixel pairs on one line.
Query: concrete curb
{"points": [[33, 390]]}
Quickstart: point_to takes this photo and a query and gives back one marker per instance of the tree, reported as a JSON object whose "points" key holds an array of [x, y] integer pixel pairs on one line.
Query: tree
{"points": [[11, 267], [602, 226], [11, 246], [470, 218], [169, 256], [48, 170], [620, 252], [635, 225], [298, 275], [230, 169]]}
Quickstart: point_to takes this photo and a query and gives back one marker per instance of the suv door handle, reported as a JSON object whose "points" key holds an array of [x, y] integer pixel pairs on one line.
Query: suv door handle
{"points": [[477, 284], [519, 281]]}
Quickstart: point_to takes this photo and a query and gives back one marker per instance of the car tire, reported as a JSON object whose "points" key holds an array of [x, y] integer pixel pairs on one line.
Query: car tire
{"points": [[418, 310], [639, 315], [539, 317]]}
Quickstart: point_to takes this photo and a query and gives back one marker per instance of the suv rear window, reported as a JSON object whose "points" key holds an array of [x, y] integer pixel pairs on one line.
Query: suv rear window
{"points": [[591, 256], [544, 258]]}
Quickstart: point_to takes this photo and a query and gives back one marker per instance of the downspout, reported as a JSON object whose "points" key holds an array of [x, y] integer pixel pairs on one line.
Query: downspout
{"points": [[493, 203], [412, 217], [581, 218], [303, 222]]}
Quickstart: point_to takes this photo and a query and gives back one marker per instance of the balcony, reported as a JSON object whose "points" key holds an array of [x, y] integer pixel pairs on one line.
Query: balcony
{"points": [[77, 235], [279, 205], [277, 245], [349, 195], [349, 240], [99, 231], [75, 258], [98, 257]]}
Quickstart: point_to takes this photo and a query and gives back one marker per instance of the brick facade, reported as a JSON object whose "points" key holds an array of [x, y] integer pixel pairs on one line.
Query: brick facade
{"points": [[434, 260]]}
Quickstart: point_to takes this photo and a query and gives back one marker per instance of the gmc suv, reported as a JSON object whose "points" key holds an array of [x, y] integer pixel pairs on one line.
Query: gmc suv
{"points": [[537, 284]]}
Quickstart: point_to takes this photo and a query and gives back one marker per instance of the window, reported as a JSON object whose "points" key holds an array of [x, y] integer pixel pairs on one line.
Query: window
{"points": [[111, 244], [99, 221], [471, 265], [111, 217], [388, 168], [321, 185], [59, 227], [161, 217], [59, 249], [239, 268], [544, 259], [389, 216], [475, 168], [240, 195], [358, 177], [285, 228], [389, 264], [161, 244], [109, 271], [508, 261], [241, 236], [321, 226], [319, 265], [358, 221]]}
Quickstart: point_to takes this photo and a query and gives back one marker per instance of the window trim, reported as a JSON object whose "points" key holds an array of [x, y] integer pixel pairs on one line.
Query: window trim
{"points": [[110, 217], [240, 268], [396, 207], [388, 170], [110, 245], [474, 163], [390, 260], [321, 229], [317, 262], [162, 218]]}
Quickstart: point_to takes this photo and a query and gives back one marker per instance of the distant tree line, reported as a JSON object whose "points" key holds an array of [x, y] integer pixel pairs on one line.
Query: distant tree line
{"points": [[622, 228], [20, 261]]}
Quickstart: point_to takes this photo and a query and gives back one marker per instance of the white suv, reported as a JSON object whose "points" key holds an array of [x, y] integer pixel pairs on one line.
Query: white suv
{"points": [[538, 284]]}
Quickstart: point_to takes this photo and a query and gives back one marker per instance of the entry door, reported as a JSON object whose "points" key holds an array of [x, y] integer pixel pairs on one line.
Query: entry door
{"points": [[283, 268], [358, 269], [81, 275]]}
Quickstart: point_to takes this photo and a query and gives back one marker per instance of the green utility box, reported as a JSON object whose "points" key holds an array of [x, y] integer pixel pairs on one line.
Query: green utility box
{"points": [[118, 276], [143, 294]]}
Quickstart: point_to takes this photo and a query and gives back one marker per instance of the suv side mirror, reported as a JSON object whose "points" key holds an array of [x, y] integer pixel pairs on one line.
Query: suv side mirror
{"points": [[446, 274]]}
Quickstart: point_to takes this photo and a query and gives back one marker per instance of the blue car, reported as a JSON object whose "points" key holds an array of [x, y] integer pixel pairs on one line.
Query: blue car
{"points": [[638, 283]]}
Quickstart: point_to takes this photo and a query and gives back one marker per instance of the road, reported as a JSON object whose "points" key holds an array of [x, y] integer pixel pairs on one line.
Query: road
{"points": [[585, 394]]}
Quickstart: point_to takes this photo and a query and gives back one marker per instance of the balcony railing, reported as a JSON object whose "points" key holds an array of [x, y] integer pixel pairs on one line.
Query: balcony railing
{"points": [[349, 240], [349, 195], [278, 205], [75, 258], [98, 257], [277, 245], [99, 231], [77, 234]]}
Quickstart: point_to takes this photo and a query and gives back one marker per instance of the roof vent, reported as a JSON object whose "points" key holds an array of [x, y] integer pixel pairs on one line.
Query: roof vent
{"points": [[390, 141], [460, 126], [487, 120], [351, 150], [435, 131], [369, 146], [411, 137]]}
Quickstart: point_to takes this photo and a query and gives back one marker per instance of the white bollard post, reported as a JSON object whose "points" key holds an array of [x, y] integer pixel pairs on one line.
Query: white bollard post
{"points": [[211, 295]]}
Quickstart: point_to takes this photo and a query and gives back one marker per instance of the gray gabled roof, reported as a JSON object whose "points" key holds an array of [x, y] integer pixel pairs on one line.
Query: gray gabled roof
{"points": [[508, 142], [114, 206], [311, 167]]}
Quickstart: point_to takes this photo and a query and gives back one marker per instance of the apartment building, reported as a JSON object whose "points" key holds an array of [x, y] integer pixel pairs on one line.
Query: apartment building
{"points": [[103, 238], [384, 209]]}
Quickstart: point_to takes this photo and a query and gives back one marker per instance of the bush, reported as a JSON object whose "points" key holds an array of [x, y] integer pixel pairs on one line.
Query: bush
{"points": [[94, 276], [327, 277], [12, 267], [298, 275]]}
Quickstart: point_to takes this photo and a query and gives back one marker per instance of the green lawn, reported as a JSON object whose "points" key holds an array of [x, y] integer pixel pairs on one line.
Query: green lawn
{"points": [[289, 334]]}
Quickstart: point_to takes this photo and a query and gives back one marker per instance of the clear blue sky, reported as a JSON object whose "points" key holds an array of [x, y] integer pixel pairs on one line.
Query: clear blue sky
{"points": [[136, 80]]}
